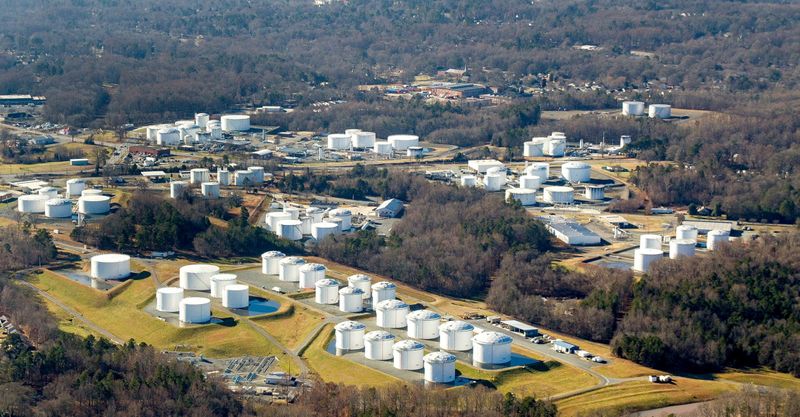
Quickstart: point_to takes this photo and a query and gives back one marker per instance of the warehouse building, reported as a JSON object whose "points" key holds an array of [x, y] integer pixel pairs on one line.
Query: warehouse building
{"points": [[390, 208], [519, 327], [570, 232], [564, 347]]}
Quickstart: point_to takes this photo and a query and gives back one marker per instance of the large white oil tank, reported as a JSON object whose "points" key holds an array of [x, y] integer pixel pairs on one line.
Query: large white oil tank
{"points": [[316, 213], [320, 231], [681, 247], [91, 191], [74, 187], [659, 111], [176, 188], [391, 314], [310, 273], [363, 140], [559, 195], [294, 211], [275, 217], [423, 324], [306, 225], [58, 208], [32, 203], [556, 147], [235, 122], [236, 296], [201, 120], [110, 266], [350, 335], [408, 355], [632, 108], [345, 215], [576, 171], [219, 282], [210, 190], [539, 169], [195, 310], [290, 229], [415, 152], [469, 181], [403, 142], [199, 175], [531, 182], [686, 231], [382, 291], [524, 196], [338, 141], [168, 299], [351, 132], [644, 257], [650, 242], [491, 348], [197, 277], [242, 177], [351, 300], [382, 148], [338, 221], [595, 192], [289, 268], [327, 291], [494, 181], [533, 148], [169, 136], [49, 192], [270, 262], [94, 204], [456, 335], [362, 282], [715, 238], [256, 174], [378, 345], [440, 367], [223, 177]]}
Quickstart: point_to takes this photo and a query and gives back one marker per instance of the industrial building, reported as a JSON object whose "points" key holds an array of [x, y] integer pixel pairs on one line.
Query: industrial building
{"points": [[481, 166], [519, 327], [564, 347], [390, 208], [571, 232]]}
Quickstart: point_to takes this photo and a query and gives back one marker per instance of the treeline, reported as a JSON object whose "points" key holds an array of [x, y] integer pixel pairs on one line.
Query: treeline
{"points": [[735, 307], [23, 247], [360, 182]]}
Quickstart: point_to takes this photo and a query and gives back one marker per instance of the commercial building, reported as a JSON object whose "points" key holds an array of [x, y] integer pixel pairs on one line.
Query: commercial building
{"points": [[149, 151], [519, 327], [570, 232], [390, 208], [564, 347]]}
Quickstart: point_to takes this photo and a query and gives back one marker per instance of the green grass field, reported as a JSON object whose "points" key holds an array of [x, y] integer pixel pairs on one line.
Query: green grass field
{"points": [[291, 325], [541, 382]]}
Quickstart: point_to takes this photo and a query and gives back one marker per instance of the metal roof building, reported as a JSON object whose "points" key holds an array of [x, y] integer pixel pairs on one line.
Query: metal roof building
{"points": [[390, 208], [570, 232], [564, 347], [705, 226], [519, 327]]}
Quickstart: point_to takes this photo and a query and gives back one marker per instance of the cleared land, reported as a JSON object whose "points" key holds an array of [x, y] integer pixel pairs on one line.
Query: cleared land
{"points": [[542, 381], [290, 325]]}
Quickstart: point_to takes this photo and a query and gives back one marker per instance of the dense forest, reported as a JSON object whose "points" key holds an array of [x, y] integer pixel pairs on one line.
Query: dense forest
{"points": [[24, 247]]}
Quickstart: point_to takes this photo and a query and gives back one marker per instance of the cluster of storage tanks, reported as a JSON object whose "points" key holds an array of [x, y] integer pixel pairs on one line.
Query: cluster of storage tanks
{"points": [[252, 176], [649, 251], [358, 139], [654, 111], [293, 222], [683, 245], [533, 178], [200, 130], [49, 202], [554, 145]]}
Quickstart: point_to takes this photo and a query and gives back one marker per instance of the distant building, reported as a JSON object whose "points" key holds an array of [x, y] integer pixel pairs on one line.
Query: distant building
{"points": [[42, 140], [261, 154], [21, 100], [79, 162], [564, 347], [390, 208], [149, 151], [460, 90], [519, 327], [570, 232]]}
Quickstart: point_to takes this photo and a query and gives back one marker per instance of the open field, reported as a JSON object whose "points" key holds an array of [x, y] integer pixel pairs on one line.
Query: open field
{"points": [[45, 167], [548, 379], [291, 324], [66, 323], [764, 377]]}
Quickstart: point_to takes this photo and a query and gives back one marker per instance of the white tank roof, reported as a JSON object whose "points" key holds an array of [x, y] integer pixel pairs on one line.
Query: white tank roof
{"points": [[439, 357], [351, 290], [408, 345], [196, 301], [95, 198], [492, 338], [359, 278], [312, 267], [272, 254], [457, 325], [576, 164], [350, 325], [560, 188], [293, 260], [200, 268], [170, 290], [327, 282], [379, 335], [111, 257], [223, 277], [383, 285], [340, 212], [650, 251], [424, 315], [390, 305], [58, 201]]}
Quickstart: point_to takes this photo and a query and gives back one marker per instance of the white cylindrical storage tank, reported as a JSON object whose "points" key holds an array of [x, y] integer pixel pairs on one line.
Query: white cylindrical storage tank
{"points": [[686, 231], [201, 120], [306, 224], [58, 208], [362, 282], [378, 345], [456, 335], [169, 136], [423, 324], [403, 142], [338, 221], [199, 175], [491, 348], [236, 296], [32, 203], [275, 217], [660, 111], [382, 148], [469, 181], [92, 191], [49, 192], [320, 231], [575, 171], [381, 291], [350, 335], [526, 197], [290, 229], [715, 238], [338, 141], [559, 195], [494, 181], [650, 242], [532, 149], [351, 300], [362, 140], [289, 268], [110, 266], [531, 182], [632, 108], [346, 217], [539, 169], [219, 282], [595, 192], [643, 257], [256, 174], [270, 262], [556, 147], [223, 177], [294, 211], [415, 152], [197, 277], [94, 204], [176, 188], [168, 299], [309, 275], [316, 213], [408, 355], [391, 314], [195, 310], [440, 367], [235, 122], [327, 291], [351, 132], [210, 190], [75, 187], [681, 247], [242, 178]]}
